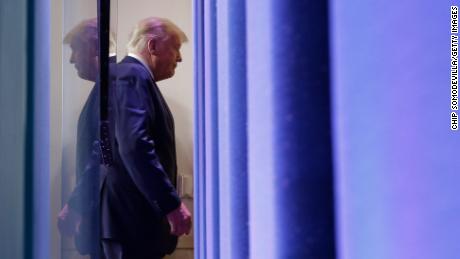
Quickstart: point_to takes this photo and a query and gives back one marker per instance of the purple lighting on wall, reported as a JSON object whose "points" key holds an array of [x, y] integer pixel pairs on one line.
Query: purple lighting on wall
{"points": [[395, 155]]}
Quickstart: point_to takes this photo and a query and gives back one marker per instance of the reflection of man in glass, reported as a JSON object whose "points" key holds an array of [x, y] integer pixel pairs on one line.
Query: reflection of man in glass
{"points": [[83, 43], [142, 215], [79, 216]]}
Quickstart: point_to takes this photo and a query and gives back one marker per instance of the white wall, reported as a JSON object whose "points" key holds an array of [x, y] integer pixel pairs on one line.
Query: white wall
{"points": [[397, 182]]}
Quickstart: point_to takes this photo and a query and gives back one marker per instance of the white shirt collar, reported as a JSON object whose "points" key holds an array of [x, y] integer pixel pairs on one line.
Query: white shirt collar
{"points": [[143, 62]]}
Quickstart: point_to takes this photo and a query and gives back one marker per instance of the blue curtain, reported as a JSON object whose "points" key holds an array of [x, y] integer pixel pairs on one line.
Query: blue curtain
{"points": [[264, 155]]}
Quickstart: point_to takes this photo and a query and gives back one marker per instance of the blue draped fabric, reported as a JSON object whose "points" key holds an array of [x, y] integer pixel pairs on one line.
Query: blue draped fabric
{"points": [[264, 184]]}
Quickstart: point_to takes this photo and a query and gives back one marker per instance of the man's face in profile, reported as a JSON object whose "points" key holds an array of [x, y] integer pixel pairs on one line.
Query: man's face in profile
{"points": [[168, 57], [84, 57]]}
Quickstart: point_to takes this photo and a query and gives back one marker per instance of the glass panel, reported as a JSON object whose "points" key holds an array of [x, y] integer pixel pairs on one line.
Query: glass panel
{"points": [[77, 232], [75, 113]]}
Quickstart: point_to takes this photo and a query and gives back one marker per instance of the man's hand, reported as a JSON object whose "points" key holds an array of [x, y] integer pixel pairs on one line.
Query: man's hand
{"points": [[180, 220], [68, 221]]}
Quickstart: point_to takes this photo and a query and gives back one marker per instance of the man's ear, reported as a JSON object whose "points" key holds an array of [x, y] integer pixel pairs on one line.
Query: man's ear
{"points": [[152, 46]]}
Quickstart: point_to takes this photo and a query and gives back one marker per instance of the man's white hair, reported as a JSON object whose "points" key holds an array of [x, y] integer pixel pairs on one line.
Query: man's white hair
{"points": [[86, 31], [153, 28]]}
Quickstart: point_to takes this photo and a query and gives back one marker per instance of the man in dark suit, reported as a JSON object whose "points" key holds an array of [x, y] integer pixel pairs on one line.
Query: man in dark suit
{"points": [[142, 214], [79, 216]]}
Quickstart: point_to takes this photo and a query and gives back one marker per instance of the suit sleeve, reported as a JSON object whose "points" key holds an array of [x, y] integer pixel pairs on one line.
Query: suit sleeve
{"points": [[137, 144]]}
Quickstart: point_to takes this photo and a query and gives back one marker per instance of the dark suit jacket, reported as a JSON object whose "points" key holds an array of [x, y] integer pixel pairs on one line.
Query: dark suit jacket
{"points": [[139, 189]]}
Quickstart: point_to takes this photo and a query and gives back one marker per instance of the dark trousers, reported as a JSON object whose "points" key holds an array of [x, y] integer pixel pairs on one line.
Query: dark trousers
{"points": [[112, 249]]}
